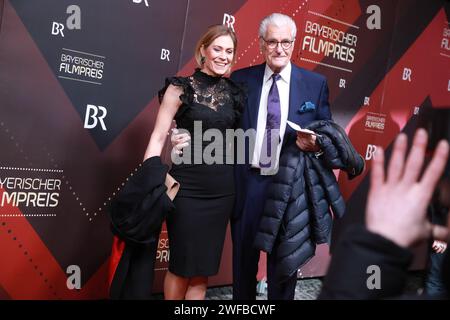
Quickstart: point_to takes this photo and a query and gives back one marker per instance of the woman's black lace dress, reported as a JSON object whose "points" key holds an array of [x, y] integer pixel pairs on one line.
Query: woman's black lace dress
{"points": [[206, 196]]}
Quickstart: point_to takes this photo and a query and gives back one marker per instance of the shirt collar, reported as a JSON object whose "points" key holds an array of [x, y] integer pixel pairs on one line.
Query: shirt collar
{"points": [[285, 74]]}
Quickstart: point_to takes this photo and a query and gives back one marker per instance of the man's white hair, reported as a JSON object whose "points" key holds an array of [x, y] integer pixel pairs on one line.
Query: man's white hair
{"points": [[278, 20]]}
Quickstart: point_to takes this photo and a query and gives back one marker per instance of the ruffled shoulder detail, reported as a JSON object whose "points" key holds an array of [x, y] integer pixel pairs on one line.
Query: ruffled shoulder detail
{"points": [[187, 97], [239, 95]]}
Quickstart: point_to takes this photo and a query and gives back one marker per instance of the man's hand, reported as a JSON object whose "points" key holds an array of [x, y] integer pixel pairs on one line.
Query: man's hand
{"points": [[179, 141], [307, 142], [396, 206]]}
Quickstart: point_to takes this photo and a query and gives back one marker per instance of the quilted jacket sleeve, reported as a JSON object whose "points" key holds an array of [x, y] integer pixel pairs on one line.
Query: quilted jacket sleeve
{"points": [[276, 202]]}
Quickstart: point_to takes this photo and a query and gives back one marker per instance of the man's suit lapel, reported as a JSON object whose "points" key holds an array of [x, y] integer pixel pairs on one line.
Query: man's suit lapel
{"points": [[297, 96]]}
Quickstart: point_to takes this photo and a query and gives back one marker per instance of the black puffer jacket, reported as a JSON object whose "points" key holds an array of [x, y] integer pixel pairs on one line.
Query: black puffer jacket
{"points": [[297, 210]]}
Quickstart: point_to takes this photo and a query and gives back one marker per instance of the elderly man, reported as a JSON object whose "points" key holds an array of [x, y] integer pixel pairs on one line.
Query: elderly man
{"points": [[277, 91]]}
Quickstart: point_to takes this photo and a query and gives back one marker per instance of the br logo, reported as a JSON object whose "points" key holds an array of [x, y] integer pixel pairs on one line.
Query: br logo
{"points": [[92, 114], [229, 20], [406, 76], [73, 22], [371, 149], [140, 1], [165, 54]]}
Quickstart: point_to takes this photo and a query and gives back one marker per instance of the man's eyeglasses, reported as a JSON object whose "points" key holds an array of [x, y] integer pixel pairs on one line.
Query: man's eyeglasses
{"points": [[272, 44]]}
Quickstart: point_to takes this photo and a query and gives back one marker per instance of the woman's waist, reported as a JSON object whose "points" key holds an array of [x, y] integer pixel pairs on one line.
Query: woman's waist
{"points": [[204, 180]]}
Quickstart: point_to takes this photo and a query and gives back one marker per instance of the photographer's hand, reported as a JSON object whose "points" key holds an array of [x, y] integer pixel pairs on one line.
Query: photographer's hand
{"points": [[396, 207]]}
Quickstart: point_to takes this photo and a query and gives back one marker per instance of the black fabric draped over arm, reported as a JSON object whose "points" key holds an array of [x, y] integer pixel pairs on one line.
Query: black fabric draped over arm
{"points": [[137, 214]]}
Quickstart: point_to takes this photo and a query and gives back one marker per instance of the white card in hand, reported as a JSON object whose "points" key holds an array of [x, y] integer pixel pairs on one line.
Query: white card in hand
{"points": [[297, 128]]}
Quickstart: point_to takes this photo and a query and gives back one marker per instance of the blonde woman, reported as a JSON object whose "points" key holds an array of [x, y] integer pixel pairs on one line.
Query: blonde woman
{"points": [[205, 200]]}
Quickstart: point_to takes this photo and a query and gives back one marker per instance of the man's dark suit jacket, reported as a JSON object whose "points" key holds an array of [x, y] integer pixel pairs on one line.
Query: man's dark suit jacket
{"points": [[305, 87]]}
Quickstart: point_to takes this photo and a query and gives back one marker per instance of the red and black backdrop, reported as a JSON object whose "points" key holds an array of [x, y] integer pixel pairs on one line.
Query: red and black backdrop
{"points": [[78, 85]]}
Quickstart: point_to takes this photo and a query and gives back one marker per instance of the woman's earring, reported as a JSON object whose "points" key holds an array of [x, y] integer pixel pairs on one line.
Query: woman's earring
{"points": [[202, 60]]}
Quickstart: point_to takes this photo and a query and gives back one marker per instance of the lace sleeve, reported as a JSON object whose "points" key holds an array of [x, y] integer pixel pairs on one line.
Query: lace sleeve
{"points": [[188, 94]]}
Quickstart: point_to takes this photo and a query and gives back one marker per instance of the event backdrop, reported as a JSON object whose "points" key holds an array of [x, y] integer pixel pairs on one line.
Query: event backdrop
{"points": [[78, 87]]}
